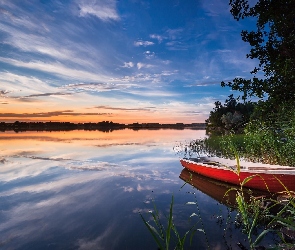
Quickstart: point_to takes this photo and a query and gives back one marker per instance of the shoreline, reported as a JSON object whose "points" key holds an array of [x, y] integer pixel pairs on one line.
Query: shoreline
{"points": [[101, 126]]}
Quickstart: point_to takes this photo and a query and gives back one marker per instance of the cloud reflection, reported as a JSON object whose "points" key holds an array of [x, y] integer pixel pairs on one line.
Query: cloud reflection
{"points": [[53, 187], [86, 244]]}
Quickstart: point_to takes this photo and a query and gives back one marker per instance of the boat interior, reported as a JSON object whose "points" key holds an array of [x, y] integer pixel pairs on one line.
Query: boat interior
{"points": [[228, 163]]}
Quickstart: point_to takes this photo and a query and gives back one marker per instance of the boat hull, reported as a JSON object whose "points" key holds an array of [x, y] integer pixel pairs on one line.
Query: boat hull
{"points": [[260, 180]]}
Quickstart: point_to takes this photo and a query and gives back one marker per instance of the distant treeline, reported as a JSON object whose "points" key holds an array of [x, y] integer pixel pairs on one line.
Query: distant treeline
{"points": [[105, 126]]}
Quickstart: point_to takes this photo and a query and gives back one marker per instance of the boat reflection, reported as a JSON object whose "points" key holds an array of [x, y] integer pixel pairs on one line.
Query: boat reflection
{"points": [[226, 193], [222, 192]]}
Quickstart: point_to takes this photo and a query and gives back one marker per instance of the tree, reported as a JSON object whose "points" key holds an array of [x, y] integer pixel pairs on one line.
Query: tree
{"points": [[273, 44], [232, 121], [232, 116]]}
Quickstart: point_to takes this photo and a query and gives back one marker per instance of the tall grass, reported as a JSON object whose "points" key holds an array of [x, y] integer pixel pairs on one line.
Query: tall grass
{"points": [[276, 217], [264, 146], [257, 217], [166, 235], [270, 146], [252, 212]]}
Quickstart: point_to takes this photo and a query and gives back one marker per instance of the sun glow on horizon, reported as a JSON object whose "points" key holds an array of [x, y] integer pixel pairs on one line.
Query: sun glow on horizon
{"points": [[73, 62]]}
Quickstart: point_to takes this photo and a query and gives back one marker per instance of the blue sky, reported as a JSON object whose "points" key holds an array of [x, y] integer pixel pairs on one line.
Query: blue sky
{"points": [[122, 61]]}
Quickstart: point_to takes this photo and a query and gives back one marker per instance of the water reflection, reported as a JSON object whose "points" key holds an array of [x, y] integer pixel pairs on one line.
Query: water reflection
{"points": [[268, 204], [79, 189], [84, 189], [223, 192]]}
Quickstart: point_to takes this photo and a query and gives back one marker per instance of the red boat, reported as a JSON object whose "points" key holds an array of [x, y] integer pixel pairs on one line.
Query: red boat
{"points": [[272, 178]]}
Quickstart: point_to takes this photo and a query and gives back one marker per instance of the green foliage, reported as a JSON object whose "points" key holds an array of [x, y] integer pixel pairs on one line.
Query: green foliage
{"points": [[261, 144], [270, 135], [222, 146], [232, 116], [284, 221], [274, 115], [270, 146], [273, 44], [163, 236], [277, 216]]}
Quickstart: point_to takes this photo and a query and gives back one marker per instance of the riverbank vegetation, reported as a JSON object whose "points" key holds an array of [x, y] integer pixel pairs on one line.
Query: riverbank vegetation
{"points": [[268, 124], [262, 130]]}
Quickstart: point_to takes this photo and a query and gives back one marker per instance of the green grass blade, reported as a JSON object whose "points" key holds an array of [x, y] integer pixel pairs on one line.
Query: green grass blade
{"points": [[170, 224], [247, 179], [157, 221], [254, 222], [188, 180], [153, 232], [242, 209], [261, 236]]}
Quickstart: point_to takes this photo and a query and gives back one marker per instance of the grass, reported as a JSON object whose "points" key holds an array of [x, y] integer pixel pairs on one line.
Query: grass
{"points": [[252, 212], [168, 237], [266, 146], [257, 217], [275, 218]]}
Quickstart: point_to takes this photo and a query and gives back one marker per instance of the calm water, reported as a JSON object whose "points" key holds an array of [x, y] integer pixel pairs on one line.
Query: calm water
{"points": [[84, 190]]}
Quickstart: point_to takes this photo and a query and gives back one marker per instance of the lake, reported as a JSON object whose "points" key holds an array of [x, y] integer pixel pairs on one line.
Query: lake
{"points": [[86, 190]]}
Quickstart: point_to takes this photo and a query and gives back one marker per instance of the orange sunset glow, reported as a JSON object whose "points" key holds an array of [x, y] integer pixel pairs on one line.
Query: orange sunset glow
{"points": [[92, 66], [118, 115]]}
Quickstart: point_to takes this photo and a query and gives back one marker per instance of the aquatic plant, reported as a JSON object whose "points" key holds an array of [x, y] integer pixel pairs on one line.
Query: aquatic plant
{"points": [[252, 213], [255, 219], [263, 145], [163, 235]]}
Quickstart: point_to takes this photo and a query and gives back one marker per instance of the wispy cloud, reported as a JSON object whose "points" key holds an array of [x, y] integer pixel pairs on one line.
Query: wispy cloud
{"points": [[157, 37], [32, 98], [139, 78], [154, 93], [85, 53], [177, 45], [50, 114], [128, 189], [3, 92], [20, 86], [125, 109], [216, 9], [143, 43], [47, 94], [174, 33], [149, 55], [128, 65], [102, 9], [50, 45], [95, 87], [25, 35], [34, 42], [143, 65], [57, 69]]}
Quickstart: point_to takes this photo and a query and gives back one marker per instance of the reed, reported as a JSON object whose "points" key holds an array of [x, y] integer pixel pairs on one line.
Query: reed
{"points": [[252, 213], [167, 237], [263, 145], [256, 220]]}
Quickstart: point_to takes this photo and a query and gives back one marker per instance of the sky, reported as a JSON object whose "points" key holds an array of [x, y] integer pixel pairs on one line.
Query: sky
{"points": [[122, 61]]}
